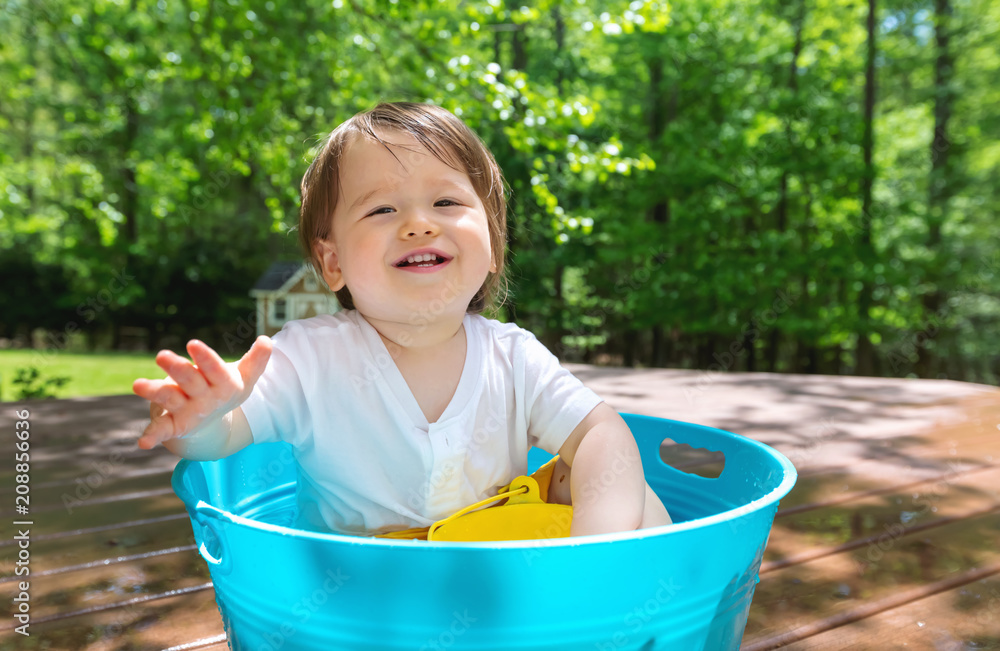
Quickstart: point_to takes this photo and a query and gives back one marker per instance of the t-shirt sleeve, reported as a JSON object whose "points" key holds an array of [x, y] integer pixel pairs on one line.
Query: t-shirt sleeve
{"points": [[556, 399], [277, 409]]}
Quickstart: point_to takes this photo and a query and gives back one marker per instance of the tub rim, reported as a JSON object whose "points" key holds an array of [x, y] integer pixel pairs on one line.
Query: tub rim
{"points": [[790, 475]]}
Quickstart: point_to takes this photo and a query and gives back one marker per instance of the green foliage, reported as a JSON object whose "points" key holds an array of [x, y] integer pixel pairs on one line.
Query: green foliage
{"points": [[30, 383], [682, 184]]}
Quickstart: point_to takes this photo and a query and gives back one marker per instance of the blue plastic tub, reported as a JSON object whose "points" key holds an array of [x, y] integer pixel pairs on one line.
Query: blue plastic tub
{"points": [[686, 586]]}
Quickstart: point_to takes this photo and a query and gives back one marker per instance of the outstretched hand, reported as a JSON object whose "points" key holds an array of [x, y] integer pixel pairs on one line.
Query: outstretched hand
{"points": [[199, 393]]}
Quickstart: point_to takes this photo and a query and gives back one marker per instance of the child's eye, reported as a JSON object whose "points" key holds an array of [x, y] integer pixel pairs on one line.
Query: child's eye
{"points": [[447, 202], [380, 211]]}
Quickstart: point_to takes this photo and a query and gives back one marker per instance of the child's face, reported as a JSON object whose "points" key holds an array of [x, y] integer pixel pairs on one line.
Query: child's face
{"points": [[390, 210]]}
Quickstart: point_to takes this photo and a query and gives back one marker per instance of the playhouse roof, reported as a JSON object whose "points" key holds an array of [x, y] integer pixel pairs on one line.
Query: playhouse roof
{"points": [[277, 276]]}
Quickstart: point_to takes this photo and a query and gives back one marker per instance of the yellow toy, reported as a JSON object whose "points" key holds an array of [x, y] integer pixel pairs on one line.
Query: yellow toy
{"points": [[526, 515]]}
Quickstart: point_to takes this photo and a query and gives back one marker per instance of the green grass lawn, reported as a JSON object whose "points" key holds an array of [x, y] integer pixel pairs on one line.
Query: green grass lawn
{"points": [[90, 374]]}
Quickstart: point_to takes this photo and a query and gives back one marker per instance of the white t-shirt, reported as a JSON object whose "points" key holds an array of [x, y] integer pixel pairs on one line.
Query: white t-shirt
{"points": [[369, 461]]}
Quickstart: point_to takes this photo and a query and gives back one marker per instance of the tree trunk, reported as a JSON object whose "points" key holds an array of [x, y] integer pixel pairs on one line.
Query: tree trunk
{"points": [[940, 177], [519, 53], [660, 212], [630, 345], [554, 335], [657, 356], [750, 350], [28, 147], [771, 354], [130, 190], [865, 352], [793, 85], [559, 32]]}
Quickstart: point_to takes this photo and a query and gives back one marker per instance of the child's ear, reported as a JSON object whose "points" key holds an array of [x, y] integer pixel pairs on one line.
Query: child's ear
{"points": [[326, 251]]}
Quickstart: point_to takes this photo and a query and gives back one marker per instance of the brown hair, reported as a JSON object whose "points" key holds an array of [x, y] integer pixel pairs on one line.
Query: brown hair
{"points": [[442, 134]]}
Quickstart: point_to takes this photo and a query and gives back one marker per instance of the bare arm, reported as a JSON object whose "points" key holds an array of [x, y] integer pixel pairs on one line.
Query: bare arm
{"points": [[607, 482], [195, 411]]}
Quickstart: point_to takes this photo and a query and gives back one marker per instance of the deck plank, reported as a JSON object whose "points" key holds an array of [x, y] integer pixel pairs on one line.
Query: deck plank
{"points": [[107, 584], [928, 623], [890, 514], [862, 620], [95, 514], [149, 626], [73, 547], [792, 597]]}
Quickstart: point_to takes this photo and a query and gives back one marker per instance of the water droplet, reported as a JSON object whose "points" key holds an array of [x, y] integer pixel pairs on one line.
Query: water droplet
{"points": [[920, 624]]}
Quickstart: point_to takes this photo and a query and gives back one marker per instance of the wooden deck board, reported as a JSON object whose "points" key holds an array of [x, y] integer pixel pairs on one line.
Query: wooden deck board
{"points": [[889, 514], [68, 548], [928, 623], [147, 626], [107, 584], [867, 449], [833, 584]]}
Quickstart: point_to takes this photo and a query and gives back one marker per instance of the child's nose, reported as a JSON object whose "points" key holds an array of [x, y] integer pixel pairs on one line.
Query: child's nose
{"points": [[417, 224]]}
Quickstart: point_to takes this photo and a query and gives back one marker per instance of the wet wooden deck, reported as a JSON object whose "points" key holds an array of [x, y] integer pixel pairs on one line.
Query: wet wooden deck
{"points": [[890, 539]]}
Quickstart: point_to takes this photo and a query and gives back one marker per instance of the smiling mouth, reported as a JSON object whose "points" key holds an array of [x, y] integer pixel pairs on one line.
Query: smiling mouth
{"points": [[423, 260]]}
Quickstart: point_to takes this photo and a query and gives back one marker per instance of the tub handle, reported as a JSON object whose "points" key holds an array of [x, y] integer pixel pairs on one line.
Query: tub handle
{"points": [[699, 457], [650, 435], [208, 519]]}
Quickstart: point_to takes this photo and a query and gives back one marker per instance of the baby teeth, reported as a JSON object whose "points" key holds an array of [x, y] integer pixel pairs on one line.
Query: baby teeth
{"points": [[423, 257]]}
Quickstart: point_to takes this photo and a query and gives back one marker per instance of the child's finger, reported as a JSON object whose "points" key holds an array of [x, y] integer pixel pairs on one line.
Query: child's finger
{"points": [[252, 365], [212, 367], [149, 389], [184, 373], [159, 429], [144, 388], [170, 397]]}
